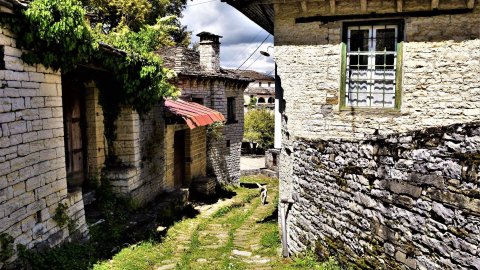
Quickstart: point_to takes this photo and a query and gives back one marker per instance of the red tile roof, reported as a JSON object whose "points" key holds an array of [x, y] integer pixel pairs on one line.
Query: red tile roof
{"points": [[194, 114]]}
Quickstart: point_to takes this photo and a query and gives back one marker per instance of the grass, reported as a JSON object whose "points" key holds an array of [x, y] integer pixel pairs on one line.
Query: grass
{"points": [[207, 241]]}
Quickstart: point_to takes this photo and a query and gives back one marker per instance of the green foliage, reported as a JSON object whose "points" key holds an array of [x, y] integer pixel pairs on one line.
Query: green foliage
{"points": [[6, 247], [252, 103], [260, 128], [62, 218], [134, 14], [74, 256], [271, 239], [54, 32], [215, 131]]}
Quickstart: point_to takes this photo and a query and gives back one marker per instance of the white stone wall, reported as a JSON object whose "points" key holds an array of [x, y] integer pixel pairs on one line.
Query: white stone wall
{"points": [[140, 148], [223, 161], [32, 153]]}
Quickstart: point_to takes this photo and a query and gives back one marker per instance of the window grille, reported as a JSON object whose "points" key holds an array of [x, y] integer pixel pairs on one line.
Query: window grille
{"points": [[371, 65]]}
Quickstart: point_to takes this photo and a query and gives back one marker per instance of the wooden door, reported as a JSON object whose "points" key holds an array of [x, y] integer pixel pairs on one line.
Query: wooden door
{"points": [[179, 158], [73, 113]]}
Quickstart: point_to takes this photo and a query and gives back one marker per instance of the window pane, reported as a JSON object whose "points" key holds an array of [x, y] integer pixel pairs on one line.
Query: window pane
{"points": [[359, 40], [385, 40], [358, 61], [384, 61]]}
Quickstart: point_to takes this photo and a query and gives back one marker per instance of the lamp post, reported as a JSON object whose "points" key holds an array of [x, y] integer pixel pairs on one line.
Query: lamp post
{"points": [[278, 98]]}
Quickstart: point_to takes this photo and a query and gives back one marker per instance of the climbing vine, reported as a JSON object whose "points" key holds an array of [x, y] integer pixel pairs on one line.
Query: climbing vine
{"points": [[6, 247]]}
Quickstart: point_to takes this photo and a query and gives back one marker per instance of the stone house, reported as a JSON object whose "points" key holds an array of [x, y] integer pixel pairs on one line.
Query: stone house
{"points": [[262, 90], [202, 80], [380, 129], [54, 149]]}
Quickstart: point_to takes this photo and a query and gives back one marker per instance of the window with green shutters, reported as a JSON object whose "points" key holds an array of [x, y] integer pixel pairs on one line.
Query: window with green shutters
{"points": [[371, 64]]}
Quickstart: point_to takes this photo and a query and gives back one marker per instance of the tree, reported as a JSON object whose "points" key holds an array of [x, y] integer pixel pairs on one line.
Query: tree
{"points": [[135, 14], [260, 128]]}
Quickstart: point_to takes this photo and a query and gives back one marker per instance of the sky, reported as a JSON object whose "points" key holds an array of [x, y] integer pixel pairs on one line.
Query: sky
{"points": [[241, 36]]}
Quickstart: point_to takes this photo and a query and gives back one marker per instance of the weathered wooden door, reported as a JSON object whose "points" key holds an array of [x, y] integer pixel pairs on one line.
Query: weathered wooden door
{"points": [[73, 113], [179, 158]]}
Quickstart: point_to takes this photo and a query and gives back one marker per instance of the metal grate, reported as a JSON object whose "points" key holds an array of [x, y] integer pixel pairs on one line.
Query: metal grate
{"points": [[371, 65]]}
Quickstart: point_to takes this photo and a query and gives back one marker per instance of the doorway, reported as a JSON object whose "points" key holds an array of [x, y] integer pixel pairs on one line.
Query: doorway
{"points": [[74, 130], [179, 158]]}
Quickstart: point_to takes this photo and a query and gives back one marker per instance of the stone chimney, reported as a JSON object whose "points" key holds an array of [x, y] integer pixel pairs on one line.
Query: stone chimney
{"points": [[209, 51]]}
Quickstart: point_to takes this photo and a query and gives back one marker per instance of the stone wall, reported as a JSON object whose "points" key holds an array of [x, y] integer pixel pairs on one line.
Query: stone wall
{"points": [[140, 149], [32, 152], [389, 202], [441, 86], [223, 160], [97, 146]]}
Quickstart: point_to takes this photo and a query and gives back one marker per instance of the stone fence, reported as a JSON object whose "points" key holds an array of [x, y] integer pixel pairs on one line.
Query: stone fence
{"points": [[401, 201]]}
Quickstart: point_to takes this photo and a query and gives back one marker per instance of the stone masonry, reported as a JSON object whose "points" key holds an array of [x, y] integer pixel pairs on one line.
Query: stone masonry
{"points": [[32, 153], [381, 217], [390, 201]]}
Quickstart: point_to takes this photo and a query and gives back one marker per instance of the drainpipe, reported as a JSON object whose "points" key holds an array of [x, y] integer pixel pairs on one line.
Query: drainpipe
{"points": [[284, 205]]}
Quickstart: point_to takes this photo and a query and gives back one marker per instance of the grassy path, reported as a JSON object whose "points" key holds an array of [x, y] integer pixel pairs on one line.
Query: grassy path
{"points": [[238, 233]]}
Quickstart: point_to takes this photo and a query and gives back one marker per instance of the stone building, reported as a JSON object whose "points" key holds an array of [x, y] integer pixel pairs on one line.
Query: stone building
{"points": [[380, 129], [202, 80], [261, 91], [33, 176], [55, 147]]}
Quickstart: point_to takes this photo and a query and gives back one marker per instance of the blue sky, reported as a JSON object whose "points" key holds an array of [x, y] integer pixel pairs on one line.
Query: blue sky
{"points": [[240, 35]]}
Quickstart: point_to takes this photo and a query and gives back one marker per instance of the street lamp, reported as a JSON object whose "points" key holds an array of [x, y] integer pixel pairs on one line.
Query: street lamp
{"points": [[278, 98]]}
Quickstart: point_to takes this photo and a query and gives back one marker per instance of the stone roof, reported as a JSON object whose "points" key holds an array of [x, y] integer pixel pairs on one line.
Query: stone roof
{"points": [[252, 74], [260, 90], [185, 61]]}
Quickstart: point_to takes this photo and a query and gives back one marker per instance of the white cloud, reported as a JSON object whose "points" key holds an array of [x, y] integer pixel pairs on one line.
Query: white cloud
{"points": [[241, 36]]}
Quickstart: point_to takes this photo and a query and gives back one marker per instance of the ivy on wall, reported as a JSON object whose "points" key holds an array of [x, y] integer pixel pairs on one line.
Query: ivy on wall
{"points": [[55, 34]]}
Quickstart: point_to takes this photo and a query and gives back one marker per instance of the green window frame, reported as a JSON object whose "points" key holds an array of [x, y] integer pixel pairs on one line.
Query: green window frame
{"points": [[372, 65]]}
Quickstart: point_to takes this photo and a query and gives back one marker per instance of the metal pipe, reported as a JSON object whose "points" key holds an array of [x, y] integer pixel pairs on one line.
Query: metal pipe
{"points": [[284, 203]]}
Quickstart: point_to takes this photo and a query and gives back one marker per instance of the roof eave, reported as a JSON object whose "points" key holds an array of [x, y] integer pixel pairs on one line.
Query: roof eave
{"points": [[261, 12]]}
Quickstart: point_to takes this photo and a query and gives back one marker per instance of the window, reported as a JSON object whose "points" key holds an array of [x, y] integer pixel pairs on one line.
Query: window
{"points": [[261, 100], [269, 84], [271, 100], [259, 84], [231, 110], [371, 65], [198, 100], [2, 57]]}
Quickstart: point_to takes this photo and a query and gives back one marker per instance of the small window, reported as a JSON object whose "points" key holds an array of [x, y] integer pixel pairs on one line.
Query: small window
{"points": [[231, 110], [370, 67], [228, 143], [198, 100], [2, 57], [271, 100], [269, 84], [261, 100], [259, 84]]}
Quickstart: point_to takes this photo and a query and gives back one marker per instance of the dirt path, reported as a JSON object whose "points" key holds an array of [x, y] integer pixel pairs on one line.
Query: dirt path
{"points": [[238, 233]]}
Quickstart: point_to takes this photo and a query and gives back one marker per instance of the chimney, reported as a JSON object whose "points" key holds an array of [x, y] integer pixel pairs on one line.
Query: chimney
{"points": [[209, 51]]}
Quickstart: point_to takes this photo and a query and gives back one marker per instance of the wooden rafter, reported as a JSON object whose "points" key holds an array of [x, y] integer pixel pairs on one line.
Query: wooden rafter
{"points": [[399, 5], [332, 6], [304, 6], [363, 5], [470, 3]]}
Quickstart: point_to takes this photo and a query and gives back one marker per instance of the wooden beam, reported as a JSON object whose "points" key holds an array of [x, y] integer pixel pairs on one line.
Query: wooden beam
{"points": [[332, 6], [470, 3], [363, 5], [304, 6], [399, 5], [435, 4]]}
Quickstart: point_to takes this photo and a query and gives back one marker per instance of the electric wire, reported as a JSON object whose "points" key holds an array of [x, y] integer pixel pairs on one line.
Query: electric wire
{"points": [[253, 52]]}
